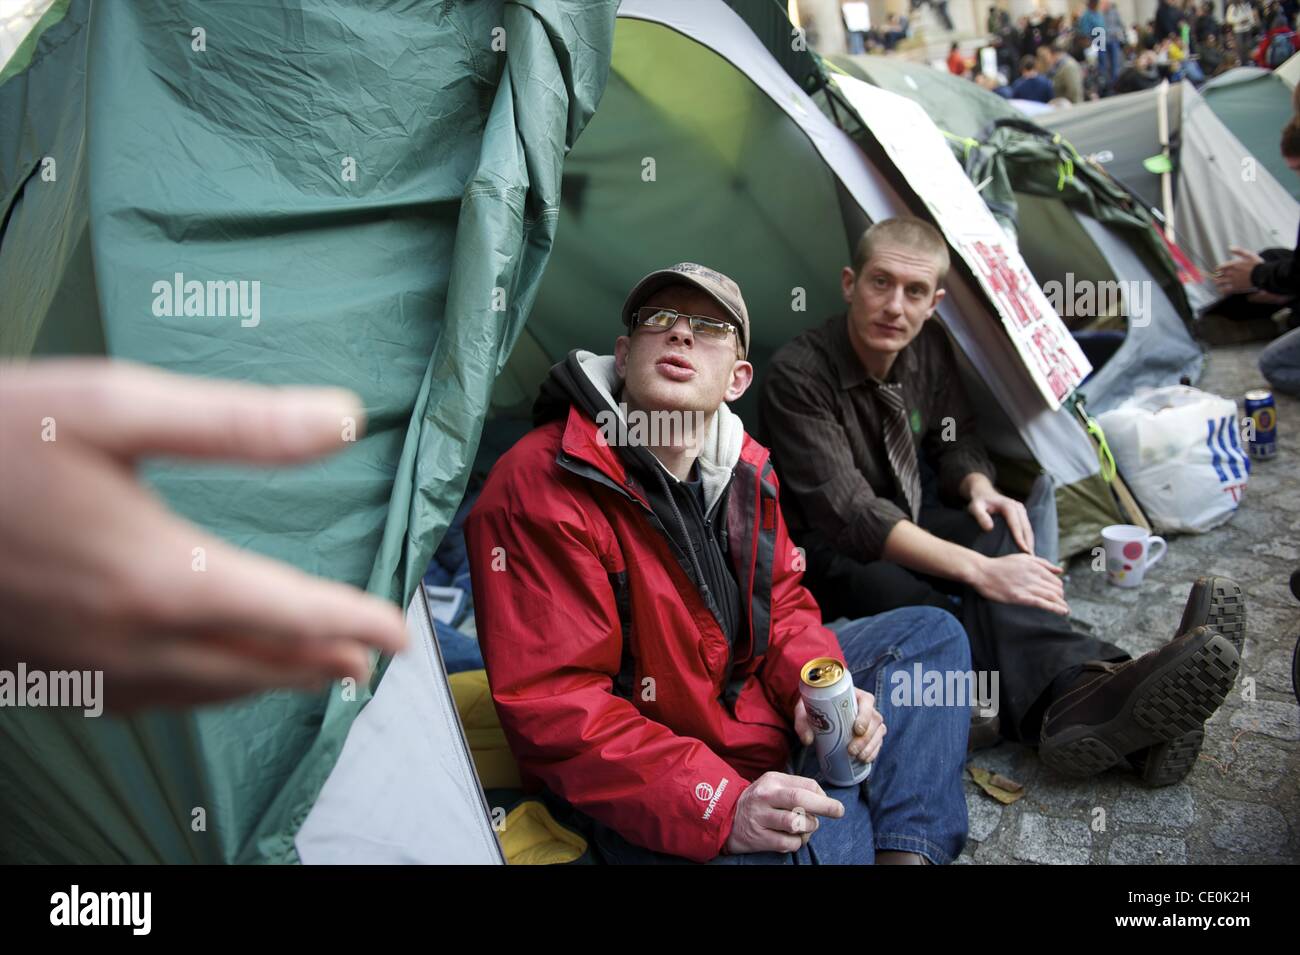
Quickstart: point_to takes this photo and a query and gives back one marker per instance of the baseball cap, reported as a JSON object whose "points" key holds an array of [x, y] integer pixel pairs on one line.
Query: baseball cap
{"points": [[717, 286]]}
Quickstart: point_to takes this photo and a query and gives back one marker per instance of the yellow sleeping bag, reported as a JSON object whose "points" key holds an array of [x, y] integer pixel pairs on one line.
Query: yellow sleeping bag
{"points": [[529, 835]]}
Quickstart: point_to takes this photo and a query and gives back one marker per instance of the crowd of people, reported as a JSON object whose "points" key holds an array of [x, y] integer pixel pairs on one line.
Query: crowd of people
{"points": [[1094, 53]]}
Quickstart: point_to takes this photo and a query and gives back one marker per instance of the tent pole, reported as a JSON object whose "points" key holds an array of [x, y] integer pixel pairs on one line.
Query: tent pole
{"points": [[1166, 186]]}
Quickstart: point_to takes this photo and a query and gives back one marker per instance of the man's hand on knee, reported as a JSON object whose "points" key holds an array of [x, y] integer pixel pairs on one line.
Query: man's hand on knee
{"points": [[1022, 579], [778, 813]]}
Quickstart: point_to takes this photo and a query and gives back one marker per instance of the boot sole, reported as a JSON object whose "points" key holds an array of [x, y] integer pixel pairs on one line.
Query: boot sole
{"points": [[1167, 763], [1227, 612], [1171, 703]]}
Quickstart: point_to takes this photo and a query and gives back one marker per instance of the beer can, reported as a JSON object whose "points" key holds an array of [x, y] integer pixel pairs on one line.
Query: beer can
{"points": [[1262, 412], [827, 689]]}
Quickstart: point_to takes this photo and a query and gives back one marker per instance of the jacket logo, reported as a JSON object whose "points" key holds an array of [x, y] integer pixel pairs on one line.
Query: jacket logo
{"points": [[713, 797], [703, 792]]}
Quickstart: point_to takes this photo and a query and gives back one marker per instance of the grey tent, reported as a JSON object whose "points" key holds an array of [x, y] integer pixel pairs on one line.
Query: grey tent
{"points": [[1216, 193], [1255, 104]]}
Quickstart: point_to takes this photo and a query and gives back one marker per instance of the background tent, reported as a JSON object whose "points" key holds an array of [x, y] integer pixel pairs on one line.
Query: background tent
{"points": [[752, 175], [1255, 104], [1215, 204], [957, 106], [1073, 223], [408, 283]]}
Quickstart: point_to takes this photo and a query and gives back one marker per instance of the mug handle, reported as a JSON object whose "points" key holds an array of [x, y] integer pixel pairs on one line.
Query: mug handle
{"points": [[1151, 543]]}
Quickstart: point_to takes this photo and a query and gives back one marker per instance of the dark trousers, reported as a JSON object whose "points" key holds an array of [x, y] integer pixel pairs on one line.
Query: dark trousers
{"points": [[1027, 647], [1239, 307]]}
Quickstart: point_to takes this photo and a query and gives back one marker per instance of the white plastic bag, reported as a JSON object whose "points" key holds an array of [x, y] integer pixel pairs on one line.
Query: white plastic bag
{"points": [[1180, 451]]}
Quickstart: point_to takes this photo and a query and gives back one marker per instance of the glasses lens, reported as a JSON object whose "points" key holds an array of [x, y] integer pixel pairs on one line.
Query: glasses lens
{"points": [[711, 328], [659, 318]]}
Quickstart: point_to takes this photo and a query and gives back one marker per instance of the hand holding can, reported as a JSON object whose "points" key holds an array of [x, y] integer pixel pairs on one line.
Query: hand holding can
{"points": [[845, 727]]}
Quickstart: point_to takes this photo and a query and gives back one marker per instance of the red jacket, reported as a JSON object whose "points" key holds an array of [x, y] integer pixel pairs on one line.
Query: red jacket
{"points": [[577, 594]]}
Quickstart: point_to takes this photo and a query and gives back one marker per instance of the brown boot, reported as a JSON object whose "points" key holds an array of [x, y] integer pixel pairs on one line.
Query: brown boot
{"points": [[1217, 603], [1116, 709]]}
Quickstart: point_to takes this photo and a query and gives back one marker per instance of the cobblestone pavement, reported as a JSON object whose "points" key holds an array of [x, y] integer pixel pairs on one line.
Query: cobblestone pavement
{"points": [[1241, 804]]}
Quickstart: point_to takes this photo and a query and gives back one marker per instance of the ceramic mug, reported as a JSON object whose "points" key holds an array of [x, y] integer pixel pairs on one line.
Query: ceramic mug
{"points": [[1128, 553]]}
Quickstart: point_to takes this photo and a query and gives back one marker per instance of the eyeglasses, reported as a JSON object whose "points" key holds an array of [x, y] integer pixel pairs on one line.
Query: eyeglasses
{"points": [[660, 319]]}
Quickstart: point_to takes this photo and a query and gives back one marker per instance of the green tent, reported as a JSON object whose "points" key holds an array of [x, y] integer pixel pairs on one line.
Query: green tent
{"points": [[391, 179]]}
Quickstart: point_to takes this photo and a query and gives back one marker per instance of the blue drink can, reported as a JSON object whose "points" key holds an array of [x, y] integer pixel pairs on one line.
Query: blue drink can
{"points": [[1262, 412]]}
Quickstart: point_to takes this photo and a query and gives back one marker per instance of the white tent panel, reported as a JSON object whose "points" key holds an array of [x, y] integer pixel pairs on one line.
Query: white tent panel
{"points": [[1225, 196], [404, 789]]}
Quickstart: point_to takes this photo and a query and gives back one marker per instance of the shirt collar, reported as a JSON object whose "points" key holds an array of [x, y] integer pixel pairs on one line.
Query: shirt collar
{"points": [[849, 367]]}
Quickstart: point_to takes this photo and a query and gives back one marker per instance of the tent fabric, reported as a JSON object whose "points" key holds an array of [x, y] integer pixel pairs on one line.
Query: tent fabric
{"points": [[1254, 105], [1066, 212], [957, 106], [1215, 206], [404, 789], [739, 94], [409, 283]]}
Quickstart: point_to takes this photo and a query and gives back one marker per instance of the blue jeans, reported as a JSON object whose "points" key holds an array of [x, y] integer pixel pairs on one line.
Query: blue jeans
{"points": [[1280, 363], [913, 800]]}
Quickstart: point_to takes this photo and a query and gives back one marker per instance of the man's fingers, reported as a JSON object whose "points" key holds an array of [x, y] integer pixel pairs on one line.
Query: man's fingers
{"points": [[184, 673], [802, 727], [285, 608], [863, 747], [819, 804], [132, 410], [873, 748], [788, 780], [1026, 530], [791, 821]]}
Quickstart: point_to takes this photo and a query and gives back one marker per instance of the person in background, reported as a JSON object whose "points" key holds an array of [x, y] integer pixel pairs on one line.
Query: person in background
{"points": [[998, 19], [1116, 41], [956, 62], [1092, 26], [1211, 57], [1207, 24], [1030, 85], [1062, 69], [1166, 20], [1258, 284], [1243, 22], [1142, 74]]}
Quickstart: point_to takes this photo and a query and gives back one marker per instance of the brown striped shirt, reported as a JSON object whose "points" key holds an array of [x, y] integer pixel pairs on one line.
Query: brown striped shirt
{"points": [[819, 414]]}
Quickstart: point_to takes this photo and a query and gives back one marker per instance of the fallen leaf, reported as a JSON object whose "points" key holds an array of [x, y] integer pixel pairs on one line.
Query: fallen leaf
{"points": [[987, 782]]}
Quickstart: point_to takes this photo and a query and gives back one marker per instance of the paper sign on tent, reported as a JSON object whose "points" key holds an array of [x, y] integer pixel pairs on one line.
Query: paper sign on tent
{"points": [[918, 150]]}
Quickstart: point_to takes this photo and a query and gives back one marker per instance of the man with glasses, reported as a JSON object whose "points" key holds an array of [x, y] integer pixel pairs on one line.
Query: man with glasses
{"points": [[644, 626]]}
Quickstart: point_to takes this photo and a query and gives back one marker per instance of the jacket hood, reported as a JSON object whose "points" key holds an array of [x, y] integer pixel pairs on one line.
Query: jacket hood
{"points": [[591, 383]]}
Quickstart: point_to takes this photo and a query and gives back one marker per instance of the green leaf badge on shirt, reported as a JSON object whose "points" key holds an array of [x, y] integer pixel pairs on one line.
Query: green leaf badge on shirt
{"points": [[916, 421]]}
